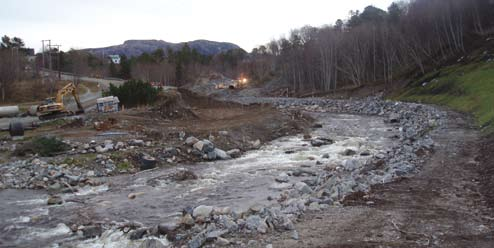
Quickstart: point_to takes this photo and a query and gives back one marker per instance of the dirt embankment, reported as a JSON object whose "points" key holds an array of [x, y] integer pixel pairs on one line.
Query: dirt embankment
{"points": [[486, 160], [164, 127]]}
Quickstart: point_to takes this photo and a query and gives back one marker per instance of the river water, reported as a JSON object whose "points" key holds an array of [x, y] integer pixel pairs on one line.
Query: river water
{"points": [[27, 221]]}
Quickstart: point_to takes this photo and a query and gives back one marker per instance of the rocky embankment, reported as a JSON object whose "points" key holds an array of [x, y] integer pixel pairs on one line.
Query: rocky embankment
{"points": [[211, 225]]}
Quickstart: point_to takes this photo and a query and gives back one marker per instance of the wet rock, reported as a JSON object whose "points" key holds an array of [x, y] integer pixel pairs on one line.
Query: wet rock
{"points": [[202, 211], [205, 146], [349, 152], [221, 211], [351, 164], [255, 222], [282, 178], [119, 145], [365, 153], [100, 149], [183, 175], [92, 231], [132, 196], [137, 142], [325, 155], [215, 234], [198, 240], [167, 228], [210, 155], [170, 152], [380, 156], [252, 243], [314, 206], [302, 172], [234, 153], [227, 223], [55, 187], [138, 233], [256, 208], [152, 243], [280, 186], [190, 141], [222, 242], [294, 235], [394, 118], [303, 188], [220, 154], [317, 125], [55, 200], [321, 142], [187, 220], [256, 144]]}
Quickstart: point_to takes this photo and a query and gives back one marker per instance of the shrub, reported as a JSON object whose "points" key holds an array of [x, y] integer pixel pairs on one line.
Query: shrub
{"points": [[44, 146], [134, 93]]}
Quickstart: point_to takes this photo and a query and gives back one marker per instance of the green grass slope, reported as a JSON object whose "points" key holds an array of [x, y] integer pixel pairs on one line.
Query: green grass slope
{"points": [[466, 88]]}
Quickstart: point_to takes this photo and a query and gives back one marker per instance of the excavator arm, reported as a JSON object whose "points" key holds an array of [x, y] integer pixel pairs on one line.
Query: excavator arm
{"points": [[69, 89]]}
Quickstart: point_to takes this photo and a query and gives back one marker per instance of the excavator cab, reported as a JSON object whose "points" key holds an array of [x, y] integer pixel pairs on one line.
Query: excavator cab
{"points": [[49, 100]]}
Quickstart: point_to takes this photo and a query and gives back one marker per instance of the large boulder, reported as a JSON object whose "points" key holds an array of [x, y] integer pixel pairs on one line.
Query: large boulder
{"points": [[202, 211], [303, 188], [220, 154], [190, 141], [204, 146], [234, 153], [321, 142]]}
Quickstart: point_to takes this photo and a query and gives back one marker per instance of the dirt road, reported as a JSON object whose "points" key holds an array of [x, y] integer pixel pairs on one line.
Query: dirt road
{"points": [[441, 206]]}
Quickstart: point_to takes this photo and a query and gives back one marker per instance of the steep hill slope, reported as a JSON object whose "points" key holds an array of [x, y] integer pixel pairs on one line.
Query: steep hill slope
{"points": [[466, 87]]}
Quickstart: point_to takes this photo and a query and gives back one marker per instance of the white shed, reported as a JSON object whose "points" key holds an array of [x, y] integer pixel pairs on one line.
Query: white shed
{"points": [[107, 104]]}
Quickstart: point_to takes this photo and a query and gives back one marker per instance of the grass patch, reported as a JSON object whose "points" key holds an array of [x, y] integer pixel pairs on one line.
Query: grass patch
{"points": [[123, 166], [466, 88], [44, 146]]}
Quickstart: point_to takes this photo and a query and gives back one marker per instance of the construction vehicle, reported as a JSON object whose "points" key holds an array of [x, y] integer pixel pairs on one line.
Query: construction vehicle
{"points": [[53, 107]]}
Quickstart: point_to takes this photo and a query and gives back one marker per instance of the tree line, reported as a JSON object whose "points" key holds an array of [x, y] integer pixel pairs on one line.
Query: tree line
{"points": [[374, 45], [12, 64]]}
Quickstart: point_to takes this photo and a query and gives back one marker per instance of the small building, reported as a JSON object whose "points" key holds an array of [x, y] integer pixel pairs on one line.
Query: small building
{"points": [[107, 104], [115, 59]]}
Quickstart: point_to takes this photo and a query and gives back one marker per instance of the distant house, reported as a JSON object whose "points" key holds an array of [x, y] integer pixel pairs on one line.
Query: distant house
{"points": [[115, 59]]}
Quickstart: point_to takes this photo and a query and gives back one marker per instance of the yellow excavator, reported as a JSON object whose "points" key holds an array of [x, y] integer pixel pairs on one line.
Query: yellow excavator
{"points": [[53, 107]]}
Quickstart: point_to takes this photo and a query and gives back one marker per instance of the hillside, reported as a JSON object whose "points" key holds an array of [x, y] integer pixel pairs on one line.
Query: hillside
{"points": [[137, 47], [467, 86]]}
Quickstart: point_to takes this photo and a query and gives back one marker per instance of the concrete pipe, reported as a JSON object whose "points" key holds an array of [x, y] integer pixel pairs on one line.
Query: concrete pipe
{"points": [[16, 129], [9, 111]]}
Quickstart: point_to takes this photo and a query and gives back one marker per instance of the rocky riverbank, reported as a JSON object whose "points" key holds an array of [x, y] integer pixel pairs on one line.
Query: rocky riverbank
{"points": [[212, 225]]}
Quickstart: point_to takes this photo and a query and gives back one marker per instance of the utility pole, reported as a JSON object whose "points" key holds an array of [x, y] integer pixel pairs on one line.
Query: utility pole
{"points": [[49, 55], [58, 59], [43, 52]]}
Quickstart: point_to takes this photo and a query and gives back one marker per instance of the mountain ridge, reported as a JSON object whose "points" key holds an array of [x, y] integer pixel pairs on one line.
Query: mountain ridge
{"points": [[135, 47]]}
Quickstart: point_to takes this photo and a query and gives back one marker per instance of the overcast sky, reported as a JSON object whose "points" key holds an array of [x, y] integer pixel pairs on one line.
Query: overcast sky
{"points": [[98, 23]]}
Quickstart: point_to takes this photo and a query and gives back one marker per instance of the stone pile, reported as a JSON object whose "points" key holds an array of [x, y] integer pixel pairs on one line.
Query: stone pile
{"points": [[207, 150], [38, 174]]}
